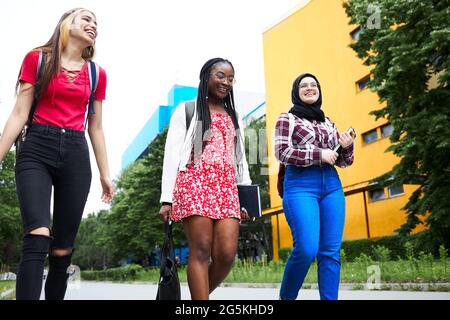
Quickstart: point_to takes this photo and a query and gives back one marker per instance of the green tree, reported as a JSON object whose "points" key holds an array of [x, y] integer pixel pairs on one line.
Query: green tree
{"points": [[134, 227], [407, 44], [93, 251], [257, 233], [256, 153], [10, 223]]}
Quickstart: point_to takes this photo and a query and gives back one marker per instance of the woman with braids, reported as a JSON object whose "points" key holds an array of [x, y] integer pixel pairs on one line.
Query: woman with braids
{"points": [[204, 160], [55, 152]]}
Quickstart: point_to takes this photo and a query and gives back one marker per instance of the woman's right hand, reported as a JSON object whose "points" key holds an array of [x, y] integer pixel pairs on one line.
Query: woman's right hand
{"points": [[329, 156], [165, 212]]}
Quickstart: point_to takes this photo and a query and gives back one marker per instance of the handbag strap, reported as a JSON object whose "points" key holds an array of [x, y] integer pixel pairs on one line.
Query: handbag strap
{"points": [[167, 248], [168, 239], [37, 86]]}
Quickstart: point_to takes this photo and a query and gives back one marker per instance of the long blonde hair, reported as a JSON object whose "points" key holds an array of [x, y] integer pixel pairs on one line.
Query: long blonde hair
{"points": [[55, 46]]}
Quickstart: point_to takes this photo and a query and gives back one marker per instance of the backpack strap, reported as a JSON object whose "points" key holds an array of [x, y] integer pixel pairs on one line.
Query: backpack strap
{"points": [[189, 110], [39, 71], [93, 71]]}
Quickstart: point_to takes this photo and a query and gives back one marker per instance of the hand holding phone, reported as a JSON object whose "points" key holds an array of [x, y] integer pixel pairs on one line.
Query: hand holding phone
{"points": [[352, 133]]}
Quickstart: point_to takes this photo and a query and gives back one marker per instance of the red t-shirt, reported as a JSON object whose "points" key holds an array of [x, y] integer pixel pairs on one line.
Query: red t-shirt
{"points": [[64, 103]]}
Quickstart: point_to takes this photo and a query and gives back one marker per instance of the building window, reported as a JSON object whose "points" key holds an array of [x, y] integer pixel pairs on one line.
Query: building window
{"points": [[396, 191], [437, 60], [361, 84], [377, 194], [355, 34], [386, 130], [370, 136]]}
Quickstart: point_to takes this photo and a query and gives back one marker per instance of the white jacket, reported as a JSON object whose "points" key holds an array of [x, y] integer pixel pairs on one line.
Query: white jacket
{"points": [[177, 152]]}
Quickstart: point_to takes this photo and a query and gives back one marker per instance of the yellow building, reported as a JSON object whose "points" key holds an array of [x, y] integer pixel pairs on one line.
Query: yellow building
{"points": [[315, 38]]}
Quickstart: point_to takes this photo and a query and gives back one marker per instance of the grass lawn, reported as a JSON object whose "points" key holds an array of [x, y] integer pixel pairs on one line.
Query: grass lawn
{"points": [[422, 270], [6, 285]]}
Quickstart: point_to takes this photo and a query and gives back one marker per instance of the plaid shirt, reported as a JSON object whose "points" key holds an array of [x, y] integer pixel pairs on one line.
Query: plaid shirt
{"points": [[308, 140]]}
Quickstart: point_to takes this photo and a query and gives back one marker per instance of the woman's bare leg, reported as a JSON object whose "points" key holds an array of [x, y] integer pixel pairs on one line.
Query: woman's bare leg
{"points": [[199, 234], [224, 248]]}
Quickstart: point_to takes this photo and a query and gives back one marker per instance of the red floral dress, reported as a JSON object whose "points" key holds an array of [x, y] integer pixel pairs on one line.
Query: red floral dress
{"points": [[208, 188]]}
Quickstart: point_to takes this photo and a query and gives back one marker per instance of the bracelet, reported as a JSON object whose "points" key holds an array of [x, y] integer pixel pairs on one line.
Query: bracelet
{"points": [[166, 203]]}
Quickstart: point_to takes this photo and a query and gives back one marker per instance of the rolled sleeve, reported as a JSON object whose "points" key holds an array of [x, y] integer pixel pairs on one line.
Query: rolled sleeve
{"points": [[304, 154], [29, 67]]}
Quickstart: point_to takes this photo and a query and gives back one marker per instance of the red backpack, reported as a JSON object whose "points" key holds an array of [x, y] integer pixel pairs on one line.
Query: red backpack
{"points": [[281, 172]]}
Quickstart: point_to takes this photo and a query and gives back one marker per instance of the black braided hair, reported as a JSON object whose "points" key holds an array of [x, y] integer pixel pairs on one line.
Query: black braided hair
{"points": [[202, 108]]}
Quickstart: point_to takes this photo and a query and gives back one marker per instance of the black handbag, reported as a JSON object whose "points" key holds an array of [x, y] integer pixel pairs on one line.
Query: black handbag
{"points": [[169, 284]]}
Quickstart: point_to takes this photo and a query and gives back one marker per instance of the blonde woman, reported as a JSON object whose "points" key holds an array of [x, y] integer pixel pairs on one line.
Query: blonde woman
{"points": [[55, 152]]}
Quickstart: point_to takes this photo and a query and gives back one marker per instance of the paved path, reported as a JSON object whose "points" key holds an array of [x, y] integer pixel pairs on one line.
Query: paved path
{"points": [[90, 290]]}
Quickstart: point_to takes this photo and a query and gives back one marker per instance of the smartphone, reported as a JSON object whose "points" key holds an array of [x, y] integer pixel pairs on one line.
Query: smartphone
{"points": [[350, 131]]}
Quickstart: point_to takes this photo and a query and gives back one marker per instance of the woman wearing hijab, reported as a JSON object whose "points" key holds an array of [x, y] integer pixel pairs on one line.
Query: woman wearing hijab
{"points": [[313, 199]]}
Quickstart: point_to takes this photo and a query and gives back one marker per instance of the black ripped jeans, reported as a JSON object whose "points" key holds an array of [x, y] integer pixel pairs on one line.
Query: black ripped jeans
{"points": [[58, 158]]}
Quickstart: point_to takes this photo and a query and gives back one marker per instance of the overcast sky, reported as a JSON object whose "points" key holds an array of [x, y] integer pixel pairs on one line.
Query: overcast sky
{"points": [[145, 47]]}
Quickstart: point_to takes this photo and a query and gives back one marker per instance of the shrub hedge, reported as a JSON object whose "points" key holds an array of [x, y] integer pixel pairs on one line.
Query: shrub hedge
{"points": [[421, 241], [126, 273], [396, 244]]}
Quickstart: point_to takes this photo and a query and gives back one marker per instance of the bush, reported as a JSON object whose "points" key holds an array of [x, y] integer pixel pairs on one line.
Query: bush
{"points": [[381, 253], [343, 256], [392, 246], [283, 254], [364, 260], [126, 273], [443, 253]]}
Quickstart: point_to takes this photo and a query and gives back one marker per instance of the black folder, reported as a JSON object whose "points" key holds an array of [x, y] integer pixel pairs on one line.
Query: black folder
{"points": [[250, 199]]}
